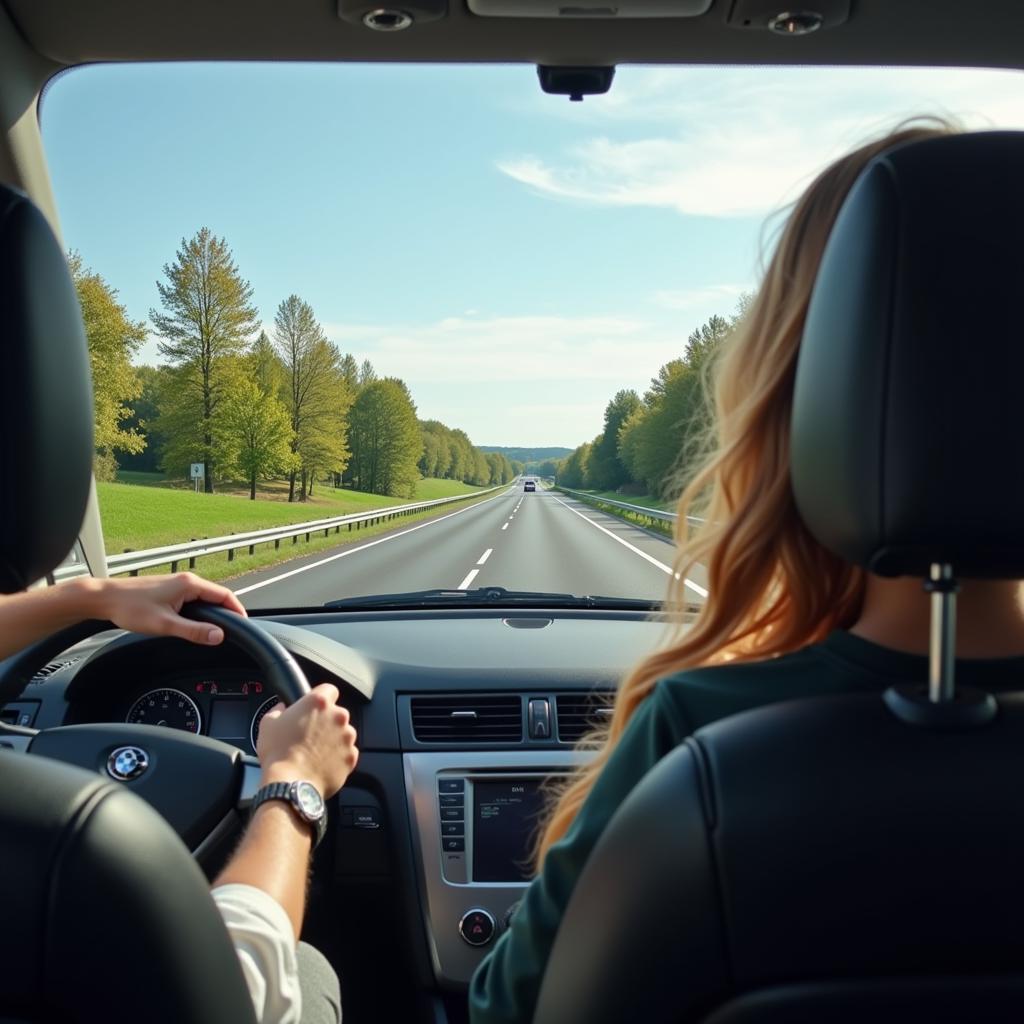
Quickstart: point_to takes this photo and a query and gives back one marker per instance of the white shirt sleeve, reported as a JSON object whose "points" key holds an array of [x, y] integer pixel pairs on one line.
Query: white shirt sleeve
{"points": [[263, 938]]}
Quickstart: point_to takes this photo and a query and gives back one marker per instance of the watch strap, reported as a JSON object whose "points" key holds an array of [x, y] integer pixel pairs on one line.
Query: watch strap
{"points": [[286, 791]]}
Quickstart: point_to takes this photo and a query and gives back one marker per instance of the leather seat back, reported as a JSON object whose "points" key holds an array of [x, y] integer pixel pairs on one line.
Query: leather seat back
{"points": [[808, 861], [106, 917]]}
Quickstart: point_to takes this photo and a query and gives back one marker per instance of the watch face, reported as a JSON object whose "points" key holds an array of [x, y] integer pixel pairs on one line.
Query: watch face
{"points": [[309, 799]]}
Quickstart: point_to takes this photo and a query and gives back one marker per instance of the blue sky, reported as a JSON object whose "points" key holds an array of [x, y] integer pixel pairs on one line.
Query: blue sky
{"points": [[516, 258]]}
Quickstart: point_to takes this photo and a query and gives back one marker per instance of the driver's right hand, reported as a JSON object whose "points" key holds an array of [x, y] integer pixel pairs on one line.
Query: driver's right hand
{"points": [[312, 739]]}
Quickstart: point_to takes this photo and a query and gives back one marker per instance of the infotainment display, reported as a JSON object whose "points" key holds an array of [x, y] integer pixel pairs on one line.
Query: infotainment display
{"points": [[506, 816]]}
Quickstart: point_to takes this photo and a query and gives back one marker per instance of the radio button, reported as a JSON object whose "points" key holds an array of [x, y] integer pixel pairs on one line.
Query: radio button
{"points": [[450, 845], [451, 785], [451, 814], [453, 865], [453, 800], [477, 927], [365, 817], [452, 828]]}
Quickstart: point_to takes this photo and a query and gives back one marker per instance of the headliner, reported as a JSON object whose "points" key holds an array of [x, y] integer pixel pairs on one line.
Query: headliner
{"points": [[894, 32]]}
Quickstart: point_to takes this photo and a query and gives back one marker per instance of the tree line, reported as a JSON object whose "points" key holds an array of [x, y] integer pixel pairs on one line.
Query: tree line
{"points": [[249, 405], [647, 441]]}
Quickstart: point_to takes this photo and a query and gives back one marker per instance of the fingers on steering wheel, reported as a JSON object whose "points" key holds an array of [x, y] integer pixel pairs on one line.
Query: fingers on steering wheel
{"points": [[200, 589], [187, 629], [327, 695]]}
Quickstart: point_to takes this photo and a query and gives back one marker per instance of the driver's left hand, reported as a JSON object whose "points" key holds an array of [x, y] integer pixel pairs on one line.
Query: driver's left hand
{"points": [[151, 604]]}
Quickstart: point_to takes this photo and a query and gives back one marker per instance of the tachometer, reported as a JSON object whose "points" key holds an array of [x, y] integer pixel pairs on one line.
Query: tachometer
{"points": [[166, 707], [254, 729]]}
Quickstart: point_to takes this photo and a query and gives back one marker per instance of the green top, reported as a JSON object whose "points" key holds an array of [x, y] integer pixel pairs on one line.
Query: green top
{"points": [[506, 985]]}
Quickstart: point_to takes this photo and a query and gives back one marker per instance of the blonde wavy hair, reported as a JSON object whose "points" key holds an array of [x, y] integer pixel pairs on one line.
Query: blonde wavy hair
{"points": [[772, 587]]}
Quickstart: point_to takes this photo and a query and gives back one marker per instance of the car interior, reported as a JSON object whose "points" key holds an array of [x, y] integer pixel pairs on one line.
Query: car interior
{"points": [[754, 875]]}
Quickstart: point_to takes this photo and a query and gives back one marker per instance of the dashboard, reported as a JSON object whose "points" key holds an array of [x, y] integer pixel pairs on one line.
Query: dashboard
{"points": [[464, 718]]}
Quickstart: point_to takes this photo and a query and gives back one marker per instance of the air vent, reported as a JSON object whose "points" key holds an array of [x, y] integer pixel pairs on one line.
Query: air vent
{"points": [[576, 714], [464, 719], [54, 666]]}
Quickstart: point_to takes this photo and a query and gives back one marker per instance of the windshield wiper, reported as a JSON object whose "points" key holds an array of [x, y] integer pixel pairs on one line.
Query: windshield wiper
{"points": [[488, 597]]}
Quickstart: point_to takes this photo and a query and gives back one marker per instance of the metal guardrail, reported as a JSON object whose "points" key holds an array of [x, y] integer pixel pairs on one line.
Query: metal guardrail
{"points": [[133, 562], [656, 515]]}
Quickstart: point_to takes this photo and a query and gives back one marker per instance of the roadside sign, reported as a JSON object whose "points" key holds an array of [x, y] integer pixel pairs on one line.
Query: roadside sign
{"points": [[197, 471]]}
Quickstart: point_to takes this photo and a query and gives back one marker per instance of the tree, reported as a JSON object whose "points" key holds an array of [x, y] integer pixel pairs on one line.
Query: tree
{"points": [[317, 396], [631, 436], [431, 452], [572, 472], [743, 304], [367, 374], [143, 421], [256, 434], [207, 318], [703, 343], [113, 339], [605, 470], [481, 469], [267, 369], [500, 468], [350, 372], [385, 439], [180, 419]]}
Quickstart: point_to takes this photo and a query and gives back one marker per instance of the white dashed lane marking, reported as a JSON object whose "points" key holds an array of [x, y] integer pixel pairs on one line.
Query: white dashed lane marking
{"points": [[464, 585]]}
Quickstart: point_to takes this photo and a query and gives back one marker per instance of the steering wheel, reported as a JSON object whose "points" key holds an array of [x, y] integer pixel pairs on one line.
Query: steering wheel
{"points": [[196, 783]]}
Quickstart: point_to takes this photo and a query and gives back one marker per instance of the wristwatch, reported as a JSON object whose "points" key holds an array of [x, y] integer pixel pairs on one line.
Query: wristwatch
{"points": [[303, 798]]}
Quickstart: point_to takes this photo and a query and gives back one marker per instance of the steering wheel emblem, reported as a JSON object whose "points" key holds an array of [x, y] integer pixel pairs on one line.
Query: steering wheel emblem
{"points": [[127, 763]]}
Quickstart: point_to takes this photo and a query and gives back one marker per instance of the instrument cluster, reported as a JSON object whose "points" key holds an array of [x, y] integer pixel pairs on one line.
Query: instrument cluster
{"points": [[227, 706]]}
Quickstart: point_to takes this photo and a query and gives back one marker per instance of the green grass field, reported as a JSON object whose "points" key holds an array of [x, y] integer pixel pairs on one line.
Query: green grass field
{"points": [[154, 514]]}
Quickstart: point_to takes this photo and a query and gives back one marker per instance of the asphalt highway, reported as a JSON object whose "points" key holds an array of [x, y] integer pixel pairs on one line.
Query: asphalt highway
{"points": [[520, 540]]}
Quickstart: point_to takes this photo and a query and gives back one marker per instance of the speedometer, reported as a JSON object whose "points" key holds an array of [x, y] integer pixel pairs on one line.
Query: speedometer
{"points": [[254, 729], [166, 707]]}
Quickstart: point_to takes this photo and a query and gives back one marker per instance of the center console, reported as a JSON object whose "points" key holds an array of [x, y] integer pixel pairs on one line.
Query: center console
{"points": [[474, 819]]}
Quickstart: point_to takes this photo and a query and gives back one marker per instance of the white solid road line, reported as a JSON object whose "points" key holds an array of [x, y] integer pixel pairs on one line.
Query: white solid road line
{"points": [[469, 579], [696, 587], [362, 547], [485, 556]]}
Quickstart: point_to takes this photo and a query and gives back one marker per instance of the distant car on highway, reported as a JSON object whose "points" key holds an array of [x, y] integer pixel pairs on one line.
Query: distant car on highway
{"points": [[529, 485]]}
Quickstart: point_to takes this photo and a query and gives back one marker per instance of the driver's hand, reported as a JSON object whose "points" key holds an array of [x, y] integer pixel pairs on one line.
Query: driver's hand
{"points": [[151, 604], [312, 739]]}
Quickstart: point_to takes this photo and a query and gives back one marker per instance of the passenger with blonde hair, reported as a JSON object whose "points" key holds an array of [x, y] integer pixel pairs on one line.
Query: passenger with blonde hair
{"points": [[784, 619]]}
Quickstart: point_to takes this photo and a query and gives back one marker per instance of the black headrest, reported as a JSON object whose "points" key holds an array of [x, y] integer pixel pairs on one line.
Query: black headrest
{"points": [[46, 420], [908, 414]]}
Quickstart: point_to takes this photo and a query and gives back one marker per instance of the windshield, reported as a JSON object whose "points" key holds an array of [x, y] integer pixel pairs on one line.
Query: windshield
{"points": [[364, 330]]}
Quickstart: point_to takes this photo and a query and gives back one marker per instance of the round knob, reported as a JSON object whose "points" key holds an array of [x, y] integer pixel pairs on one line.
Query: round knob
{"points": [[477, 927]]}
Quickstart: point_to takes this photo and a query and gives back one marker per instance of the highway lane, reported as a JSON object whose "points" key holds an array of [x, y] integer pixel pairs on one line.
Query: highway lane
{"points": [[519, 540]]}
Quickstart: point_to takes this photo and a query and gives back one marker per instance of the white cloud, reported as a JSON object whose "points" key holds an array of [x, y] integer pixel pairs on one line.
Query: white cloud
{"points": [[738, 142], [513, 348], [712, 295]]}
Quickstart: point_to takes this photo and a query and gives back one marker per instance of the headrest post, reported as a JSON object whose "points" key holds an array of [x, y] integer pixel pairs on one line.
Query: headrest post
{"points": [[942, 641]]}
